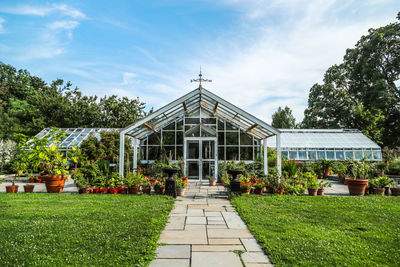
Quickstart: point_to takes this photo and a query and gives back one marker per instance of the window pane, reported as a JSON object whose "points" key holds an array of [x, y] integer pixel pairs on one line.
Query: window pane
{"points": [[143, 151], [368, 155], [221, 126], [192, 149], [193, 170], [192, 120], [284, 154], [349, 154], [208, 169], [169, 151], [179, 138], [256, 142], [179, 152], [302, 155], [230, 127], [232, 153], [168, 138], [221, 153], [257, 152], [193, 131], [208, 131], [245, 139], [208, 120], [154, 152], [179, 125], [246, 153], [377, 155], [232, 138], [358, 155], [312, 155], [221, 138], [330, 155], [321, 154], [208, 149], [154, 139], [339, 155], [292, 154], [171, 126]]}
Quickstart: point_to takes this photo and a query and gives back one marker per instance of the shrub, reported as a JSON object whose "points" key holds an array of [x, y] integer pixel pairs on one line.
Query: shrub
{"points": [[381, 182]]}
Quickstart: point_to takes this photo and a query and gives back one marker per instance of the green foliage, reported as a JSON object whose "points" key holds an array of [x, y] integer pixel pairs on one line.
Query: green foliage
{"points": [[81, 230], [394, 167], [133, 179], [294, 186], [89, 174], [324, 231], [361, 92], [180, 183], [311, 180], [283, 119], [289, 168], [381, 182]]}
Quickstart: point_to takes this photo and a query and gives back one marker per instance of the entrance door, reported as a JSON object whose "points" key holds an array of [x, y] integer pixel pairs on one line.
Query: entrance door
{"points": [[200, 158]]}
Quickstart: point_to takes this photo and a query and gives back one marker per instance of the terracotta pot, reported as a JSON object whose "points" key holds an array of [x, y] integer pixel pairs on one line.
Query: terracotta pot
{"points": [[103, 190], [96, 190], [12, 188], [28, 188], [357, 186], [212, 182], [312, 191], [122, 190], [32, 180], [321, 191], [259, 191], [180, 192], [281, 191], [86, 190], [387, 191], [326, 172], [245, 190], [395, 191], [113, 190], [379, 191], [133, 190], [146, 190], [55, 183]]}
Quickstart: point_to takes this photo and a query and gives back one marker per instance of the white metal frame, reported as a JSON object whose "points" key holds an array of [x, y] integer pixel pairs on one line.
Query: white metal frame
{"points": [[200, 160]]}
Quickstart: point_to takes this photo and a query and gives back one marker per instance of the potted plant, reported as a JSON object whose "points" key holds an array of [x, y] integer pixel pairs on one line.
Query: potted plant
{"points": [[311, 183], [357, 184], [326, 165], [180, 187], [395, 189], [146, 186], [19, 162], [133, 180], [259, 188], [379, 184], [245, 187], [322, 184], [212, 181]]}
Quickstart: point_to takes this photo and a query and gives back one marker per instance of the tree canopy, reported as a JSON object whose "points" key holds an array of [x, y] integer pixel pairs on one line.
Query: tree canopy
{"points": [[283, 118], [362, 92], [28, 104]]}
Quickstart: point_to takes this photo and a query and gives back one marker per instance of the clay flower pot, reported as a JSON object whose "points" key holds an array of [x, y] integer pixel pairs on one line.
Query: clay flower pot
{"points": [[122, 190], [55, 183], [113, 190], [395, 191], [96, 190], [259, 191], [357, 186], [321, 192], [12, 188], [133, 190], [146, 190], [212, 182], [379, 191], [312, 191], [86, 190], [28, 188], [180, 191]]}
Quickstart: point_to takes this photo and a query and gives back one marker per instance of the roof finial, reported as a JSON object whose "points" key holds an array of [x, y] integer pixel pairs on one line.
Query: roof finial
{"points": [[200, 79]]}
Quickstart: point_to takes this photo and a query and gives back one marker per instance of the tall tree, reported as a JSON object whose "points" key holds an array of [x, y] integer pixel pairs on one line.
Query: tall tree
{"points": [[361, 92], [283, 118]]}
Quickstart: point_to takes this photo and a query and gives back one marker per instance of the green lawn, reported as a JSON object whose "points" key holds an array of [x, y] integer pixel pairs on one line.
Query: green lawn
{"points": [[66, 229], [325, 231]]}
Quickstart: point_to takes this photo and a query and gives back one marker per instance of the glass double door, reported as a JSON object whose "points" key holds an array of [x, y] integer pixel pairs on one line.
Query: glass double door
{"points": [[200, 158]]}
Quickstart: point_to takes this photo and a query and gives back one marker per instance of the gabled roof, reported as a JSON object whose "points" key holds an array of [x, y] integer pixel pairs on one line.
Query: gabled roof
{"points": [[323, 138], [203, 99]]}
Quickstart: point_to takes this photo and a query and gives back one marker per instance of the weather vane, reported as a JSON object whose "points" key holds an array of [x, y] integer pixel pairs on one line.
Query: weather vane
{"points": [[200, 79]]}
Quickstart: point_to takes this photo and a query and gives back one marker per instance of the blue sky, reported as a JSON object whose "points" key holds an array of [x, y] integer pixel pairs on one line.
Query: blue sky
{"points": [[260, 54]]}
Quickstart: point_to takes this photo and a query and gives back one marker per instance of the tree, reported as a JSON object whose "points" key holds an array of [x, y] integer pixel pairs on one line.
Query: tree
{"points": [[283, 118], [361, 92]]}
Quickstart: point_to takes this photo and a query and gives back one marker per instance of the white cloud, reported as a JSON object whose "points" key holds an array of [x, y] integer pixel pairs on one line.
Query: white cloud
{"points": [[1, 25], [63, 24], [127, 77], [45, 10]]}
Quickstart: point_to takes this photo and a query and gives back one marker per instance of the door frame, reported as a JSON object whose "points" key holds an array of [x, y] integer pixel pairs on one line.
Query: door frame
{"points": [[200, 159]]}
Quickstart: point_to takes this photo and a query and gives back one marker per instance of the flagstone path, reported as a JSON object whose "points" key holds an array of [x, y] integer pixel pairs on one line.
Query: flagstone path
{"points": [[204, 230]]}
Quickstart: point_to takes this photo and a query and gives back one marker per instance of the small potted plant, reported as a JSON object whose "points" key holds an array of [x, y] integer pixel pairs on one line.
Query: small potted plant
{"points": [[259, 188], [212, 181], [357, 184], [395, 189], [159, 185], [180, 187], [311, 183], [146, 186], [322, 184], [245, 187], [379, 184], [133, 180]]}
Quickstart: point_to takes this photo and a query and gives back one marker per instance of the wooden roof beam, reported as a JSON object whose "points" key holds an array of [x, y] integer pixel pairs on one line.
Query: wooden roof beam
{"points": [[184, 106], [149, 127], [215, 108], [251, 127]]}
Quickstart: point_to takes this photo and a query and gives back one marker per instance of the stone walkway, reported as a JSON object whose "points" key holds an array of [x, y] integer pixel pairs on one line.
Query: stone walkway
{"points": [[204, 230]]}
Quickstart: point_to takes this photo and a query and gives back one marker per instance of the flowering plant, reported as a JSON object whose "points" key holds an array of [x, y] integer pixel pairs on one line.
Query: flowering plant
{"points": [[259, 185], [245, 185]]}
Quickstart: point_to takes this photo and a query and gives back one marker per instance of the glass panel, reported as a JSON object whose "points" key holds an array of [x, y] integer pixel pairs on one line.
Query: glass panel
{"points": [[169, 151], [192, 120], [208, 150], [221, 138], [245, 139], [246, 153], [302, 155], [368, 155], [179, 152], [377, 155], [192, 131], [192, 149], [208, 131], [330, 155], [208, 120], [154, 139], [230, 127], [179, 125], [193, 169], [256, 142], [170, 126], [168, 138], [221, 125], [232, 153], [358, 155], [232, 138], [292, 154], [312, 155], [208, 169], [339, 155], [179, 138], [321, 154], [154, 152], [221, 155], [257, 152], [143, 155], [349, 154], [284, 154]]}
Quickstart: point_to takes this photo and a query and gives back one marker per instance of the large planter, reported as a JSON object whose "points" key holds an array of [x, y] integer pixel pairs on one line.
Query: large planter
{"points": [[357, 186], [28, 188], [387, 192], [321, 192], [180, 191], [395, 191], [312, 191], [379, 191], [55, 183], [12, 188], [133, 190], [245, 190], [212, 182], [147, 190]]}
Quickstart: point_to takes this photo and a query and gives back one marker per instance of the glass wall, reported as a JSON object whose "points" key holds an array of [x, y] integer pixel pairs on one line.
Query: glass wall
{"points": [[331, 154]]}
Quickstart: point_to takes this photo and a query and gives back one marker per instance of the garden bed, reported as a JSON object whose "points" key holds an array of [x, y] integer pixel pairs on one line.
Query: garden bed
{"points": [[54, 229], [324, 231]]}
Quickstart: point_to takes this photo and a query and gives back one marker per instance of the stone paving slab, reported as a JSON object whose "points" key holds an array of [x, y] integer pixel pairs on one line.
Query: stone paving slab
{"points": [[251, 244], [183, 237], [225, 241], [170, 263], [173, 252], [211, 248], [255, 257], [215, 259]]}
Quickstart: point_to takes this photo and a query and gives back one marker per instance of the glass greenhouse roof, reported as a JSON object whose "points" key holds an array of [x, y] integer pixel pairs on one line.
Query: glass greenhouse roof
{"points": [[325, 139], [75, 136]]}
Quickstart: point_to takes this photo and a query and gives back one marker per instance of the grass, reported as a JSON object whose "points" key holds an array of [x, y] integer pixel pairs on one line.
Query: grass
{"points": [[324, 231], [67, 229]]}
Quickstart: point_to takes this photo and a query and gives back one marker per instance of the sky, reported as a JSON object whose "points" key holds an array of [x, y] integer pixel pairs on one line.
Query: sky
{"points": [[259, 54]]}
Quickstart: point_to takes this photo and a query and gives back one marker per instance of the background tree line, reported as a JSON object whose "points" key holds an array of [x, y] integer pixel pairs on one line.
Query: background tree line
{"points": [[362, 92], [28, 104]]}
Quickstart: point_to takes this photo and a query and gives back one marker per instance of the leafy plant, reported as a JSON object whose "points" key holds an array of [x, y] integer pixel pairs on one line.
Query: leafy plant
{"points": [[310, 180], [323, 183], [289, 168], [133, 179], [180, 183], [381, 182]]}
